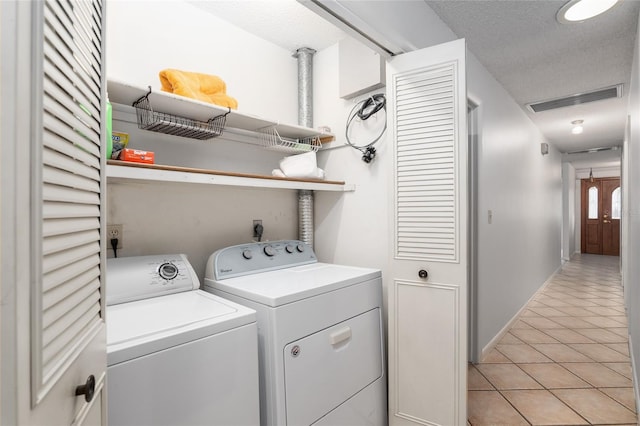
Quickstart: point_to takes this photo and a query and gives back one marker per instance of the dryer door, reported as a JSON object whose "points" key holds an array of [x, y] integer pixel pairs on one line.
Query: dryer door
{"points": [[325, 369]]}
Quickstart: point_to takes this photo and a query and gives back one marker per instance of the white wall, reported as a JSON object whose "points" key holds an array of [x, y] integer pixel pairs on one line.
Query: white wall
{"points": [[521, 249], [568, 211], [631, 217], [146, 37]]}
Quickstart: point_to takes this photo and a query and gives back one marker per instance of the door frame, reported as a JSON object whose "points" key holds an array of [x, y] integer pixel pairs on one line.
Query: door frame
{"points": [[584, 209]]}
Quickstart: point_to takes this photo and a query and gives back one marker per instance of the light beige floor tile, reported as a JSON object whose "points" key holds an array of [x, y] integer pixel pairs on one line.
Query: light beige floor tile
{"points": [[541, 323], [623, 348], [486, 408], [601, 335], [476, 381], [595, 406], [598, 375], [565, 335], [621, 331], [599, 352], [521, 325], [623, 368], [522, 353], [624, 396], [510, 339], [554, 376], [532, 336], [604, 322], [541, 407], [494, 357], [583, 303], [609, 302], [547, 312], [507, 376], [605, 311], [576, 311], [553, 303], [530, 313], [572, 322], [560, 352]]}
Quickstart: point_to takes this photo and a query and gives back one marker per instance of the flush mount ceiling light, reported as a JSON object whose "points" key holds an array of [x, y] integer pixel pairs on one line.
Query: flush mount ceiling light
{"points": [[581, 10], [577, 127]]}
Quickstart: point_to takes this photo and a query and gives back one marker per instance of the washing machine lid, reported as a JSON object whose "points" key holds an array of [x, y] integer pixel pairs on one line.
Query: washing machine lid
{"points": [[145, 326], [276, 288]]}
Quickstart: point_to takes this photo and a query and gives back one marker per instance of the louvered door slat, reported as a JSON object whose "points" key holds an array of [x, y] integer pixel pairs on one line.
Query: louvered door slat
{"points": [[69, 68], [63, 162], [67, 85], [53, 210], [64, 242], [425, 165], [70, 186], [69, 39], [59, 277], [68, 225], [58, 260]]}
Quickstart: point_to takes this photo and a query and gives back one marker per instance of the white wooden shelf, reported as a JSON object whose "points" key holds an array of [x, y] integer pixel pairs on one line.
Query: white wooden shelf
{"points": [[127, 94], [126, 172]]}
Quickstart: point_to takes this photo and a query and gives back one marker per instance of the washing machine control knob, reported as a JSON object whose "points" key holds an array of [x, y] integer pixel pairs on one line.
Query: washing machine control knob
{"points": [[300, 247], [289, 248], [168, 271], [269, 251], [246, 253]]}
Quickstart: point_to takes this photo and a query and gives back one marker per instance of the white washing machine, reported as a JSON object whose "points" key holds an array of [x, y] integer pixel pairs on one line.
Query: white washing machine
{"points": [[320, 332], [176, 355]]}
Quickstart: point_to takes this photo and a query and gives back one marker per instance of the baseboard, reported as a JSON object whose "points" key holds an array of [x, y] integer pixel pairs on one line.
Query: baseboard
{"points": [[493, 342], [634, 373]]}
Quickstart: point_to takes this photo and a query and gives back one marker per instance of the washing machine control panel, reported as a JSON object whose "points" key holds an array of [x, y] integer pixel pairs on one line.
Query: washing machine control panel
{"points": [[143, 277], [253, 258]]}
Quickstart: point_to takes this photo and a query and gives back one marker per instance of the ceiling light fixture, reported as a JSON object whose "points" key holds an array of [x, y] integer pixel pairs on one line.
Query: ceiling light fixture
{"points": [[581, 10], [577, 127]]}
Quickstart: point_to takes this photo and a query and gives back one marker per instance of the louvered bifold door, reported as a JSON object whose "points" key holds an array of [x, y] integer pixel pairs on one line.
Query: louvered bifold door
{"points": [[426, 202], [68, 206]]}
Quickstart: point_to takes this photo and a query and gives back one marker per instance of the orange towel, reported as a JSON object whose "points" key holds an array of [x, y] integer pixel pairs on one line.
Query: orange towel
{"points": [[203, 87]]}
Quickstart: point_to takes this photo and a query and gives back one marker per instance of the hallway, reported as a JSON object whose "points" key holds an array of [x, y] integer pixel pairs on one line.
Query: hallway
{"points": [[565, 360]]}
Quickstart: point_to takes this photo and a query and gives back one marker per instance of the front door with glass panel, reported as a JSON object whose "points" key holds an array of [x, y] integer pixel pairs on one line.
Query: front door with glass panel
{"points": [[601, 210]]}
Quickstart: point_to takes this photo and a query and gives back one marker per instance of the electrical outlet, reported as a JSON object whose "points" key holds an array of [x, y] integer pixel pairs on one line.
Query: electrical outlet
{"points": [[114, 231], [256, 222]]}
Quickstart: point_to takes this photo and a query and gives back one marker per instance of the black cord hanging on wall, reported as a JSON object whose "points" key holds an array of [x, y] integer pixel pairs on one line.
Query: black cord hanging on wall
{"points": [[364, 110]]}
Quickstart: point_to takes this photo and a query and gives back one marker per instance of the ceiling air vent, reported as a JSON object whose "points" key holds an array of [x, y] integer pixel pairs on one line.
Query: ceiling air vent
{"points": [[581, 98]]}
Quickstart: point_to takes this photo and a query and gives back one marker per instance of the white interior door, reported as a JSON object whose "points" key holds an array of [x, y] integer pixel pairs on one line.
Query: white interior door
{"points": [[428, 313], [53, 332]]}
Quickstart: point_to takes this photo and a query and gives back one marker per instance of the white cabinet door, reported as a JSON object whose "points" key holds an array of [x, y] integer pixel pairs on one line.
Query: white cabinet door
{"points": [[53, 213], [428, 313]]}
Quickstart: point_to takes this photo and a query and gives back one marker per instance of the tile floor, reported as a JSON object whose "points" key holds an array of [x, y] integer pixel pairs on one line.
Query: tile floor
{"points": [[565, 361]]}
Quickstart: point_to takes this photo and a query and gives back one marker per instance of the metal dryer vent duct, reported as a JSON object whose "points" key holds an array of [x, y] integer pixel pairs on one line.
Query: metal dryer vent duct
{"points": [[305, 118]]}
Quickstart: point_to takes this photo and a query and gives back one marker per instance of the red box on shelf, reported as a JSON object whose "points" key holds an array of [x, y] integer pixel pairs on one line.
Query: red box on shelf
{"points": [[137, 156]]}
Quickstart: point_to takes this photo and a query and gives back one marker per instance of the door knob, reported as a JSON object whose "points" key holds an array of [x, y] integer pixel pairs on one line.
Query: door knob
{"points": [[606, 221], [422, 273], [87, 389]]}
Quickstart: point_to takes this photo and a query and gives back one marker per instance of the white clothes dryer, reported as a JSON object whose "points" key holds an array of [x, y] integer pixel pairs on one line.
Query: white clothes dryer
{"points": [[176, 355], [320, 332]]}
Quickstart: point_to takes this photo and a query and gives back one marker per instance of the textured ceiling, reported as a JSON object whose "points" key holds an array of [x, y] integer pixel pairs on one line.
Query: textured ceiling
{"points": [[536, 58], [283, 22], [519, 41]]}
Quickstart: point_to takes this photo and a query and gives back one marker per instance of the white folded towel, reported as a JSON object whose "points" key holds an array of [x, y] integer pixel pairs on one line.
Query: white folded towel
{"points": [[301, 166]]}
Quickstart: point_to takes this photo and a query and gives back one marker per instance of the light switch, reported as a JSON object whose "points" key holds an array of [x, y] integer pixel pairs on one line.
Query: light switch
{"points": [[490, 216]]}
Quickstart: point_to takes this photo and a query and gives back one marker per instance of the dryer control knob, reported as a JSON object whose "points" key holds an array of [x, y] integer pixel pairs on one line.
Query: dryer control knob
{"points": [[168, 271], [269, 251], [300, 247], [289, 248], [247, 254]]}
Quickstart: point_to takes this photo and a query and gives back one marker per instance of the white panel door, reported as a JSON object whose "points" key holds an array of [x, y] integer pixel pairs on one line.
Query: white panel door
{"points": [[428, 293]]}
